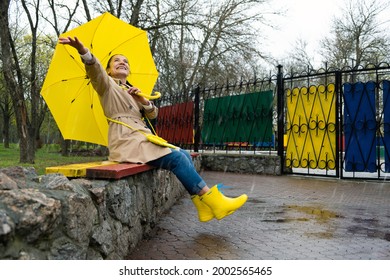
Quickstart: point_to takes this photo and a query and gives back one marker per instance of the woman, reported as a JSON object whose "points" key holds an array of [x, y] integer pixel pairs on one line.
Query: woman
{"points": [[121, 103]]}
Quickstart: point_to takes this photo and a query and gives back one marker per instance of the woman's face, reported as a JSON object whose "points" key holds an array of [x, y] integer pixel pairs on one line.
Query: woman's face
{"points": [[119, 67]]}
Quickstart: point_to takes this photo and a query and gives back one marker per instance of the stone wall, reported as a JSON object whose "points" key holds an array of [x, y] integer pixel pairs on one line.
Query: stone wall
{"points": [[54, 217], [242, 163]]}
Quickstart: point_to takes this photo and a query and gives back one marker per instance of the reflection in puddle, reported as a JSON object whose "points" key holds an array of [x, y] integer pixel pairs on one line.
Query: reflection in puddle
{"points": [[319, 214], [296, 213], [313, 213], [208, 246]]}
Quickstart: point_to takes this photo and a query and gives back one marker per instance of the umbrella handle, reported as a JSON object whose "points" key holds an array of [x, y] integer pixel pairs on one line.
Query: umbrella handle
{"points": [[156, 95]]}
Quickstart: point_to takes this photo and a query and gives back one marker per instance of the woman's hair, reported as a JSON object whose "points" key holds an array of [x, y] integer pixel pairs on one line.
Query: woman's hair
{"points": [[110, 59]]}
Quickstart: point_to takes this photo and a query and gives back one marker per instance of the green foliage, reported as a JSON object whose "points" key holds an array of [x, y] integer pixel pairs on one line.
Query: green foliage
{"points": [[47, 156]]}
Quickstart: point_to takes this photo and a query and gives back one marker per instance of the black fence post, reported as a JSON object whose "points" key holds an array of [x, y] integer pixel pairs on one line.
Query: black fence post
{"points": [[339, 123], [196, 119], [280, 112]]}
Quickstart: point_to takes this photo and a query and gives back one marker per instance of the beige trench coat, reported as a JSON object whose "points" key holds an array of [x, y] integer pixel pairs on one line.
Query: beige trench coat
{"points": [[124, 144]]}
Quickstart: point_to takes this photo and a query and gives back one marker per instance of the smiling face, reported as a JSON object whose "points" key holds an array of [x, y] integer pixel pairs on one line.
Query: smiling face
{"points": [[118, 67]]}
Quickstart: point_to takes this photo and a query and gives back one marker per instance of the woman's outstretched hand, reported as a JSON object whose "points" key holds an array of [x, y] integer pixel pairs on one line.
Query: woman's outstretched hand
{"points": [[75, 43]]}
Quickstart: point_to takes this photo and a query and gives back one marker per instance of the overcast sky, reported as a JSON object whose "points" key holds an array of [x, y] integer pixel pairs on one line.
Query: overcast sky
{"points": [[305, 19]]}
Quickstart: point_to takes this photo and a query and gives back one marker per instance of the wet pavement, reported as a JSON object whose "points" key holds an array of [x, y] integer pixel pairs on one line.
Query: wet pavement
{"points": [[285, 218]]}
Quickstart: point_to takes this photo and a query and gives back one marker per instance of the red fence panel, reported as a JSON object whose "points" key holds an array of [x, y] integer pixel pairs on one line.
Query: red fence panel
{"points": [[175, 123]]}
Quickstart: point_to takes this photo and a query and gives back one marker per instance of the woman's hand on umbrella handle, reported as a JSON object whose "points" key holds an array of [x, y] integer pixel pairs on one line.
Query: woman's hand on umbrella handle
{"points": [[142, 97], [75, 43], [135, 93]]}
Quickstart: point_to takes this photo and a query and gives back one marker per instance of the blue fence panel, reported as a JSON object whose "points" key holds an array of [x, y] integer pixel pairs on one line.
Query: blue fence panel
{"points": [[360, 127]]}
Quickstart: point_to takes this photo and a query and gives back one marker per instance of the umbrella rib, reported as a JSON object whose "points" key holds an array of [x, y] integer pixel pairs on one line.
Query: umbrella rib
{"points": [[78, 63], [61, 81], [95, 30], [124, 42], [80, 91]]}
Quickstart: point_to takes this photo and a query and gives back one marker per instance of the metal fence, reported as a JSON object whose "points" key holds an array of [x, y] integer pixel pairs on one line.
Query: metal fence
{"points": [[329, 122], [239, 117]]}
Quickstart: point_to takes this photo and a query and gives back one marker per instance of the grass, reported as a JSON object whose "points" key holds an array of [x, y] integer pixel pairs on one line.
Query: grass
{"points": [[47, 156]]}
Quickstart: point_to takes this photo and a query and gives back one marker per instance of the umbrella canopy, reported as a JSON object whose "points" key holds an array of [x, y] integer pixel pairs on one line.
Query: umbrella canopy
{"points": [[67, 90]]}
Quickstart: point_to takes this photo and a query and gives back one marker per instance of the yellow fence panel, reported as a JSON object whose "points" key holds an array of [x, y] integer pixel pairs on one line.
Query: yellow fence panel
{"points": [[311, 127]]}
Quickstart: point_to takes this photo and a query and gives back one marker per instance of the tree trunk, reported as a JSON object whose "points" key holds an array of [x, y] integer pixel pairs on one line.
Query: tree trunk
{"points": [[136, 12], [13, 86], [65, 147]]}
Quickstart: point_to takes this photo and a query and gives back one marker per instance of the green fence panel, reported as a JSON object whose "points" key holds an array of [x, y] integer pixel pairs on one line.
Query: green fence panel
{"points": [[245, 118]]}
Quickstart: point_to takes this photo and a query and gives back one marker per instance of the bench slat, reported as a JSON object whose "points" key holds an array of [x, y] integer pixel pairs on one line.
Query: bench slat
{"points": [[116, 171], [77, 169]]}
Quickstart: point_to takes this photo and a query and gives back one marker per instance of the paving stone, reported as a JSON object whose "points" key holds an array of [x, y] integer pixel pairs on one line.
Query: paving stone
{"points": [[285, 218]]}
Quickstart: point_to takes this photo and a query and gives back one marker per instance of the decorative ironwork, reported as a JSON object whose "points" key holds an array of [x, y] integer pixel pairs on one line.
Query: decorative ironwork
{"points": [[360, 127], [311, 122], [327, 122]]}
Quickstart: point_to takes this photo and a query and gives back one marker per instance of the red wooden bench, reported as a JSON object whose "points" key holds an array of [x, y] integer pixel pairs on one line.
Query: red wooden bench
{"points": [[116, 171], [102, 170], [120, 170]]}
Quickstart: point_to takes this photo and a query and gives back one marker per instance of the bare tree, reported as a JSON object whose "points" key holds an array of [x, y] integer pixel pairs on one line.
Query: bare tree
{"points": [[298, 59], [357, 36], [60, 17], [14, 83], [112, 6], [196, 41], [23, 73], [201, 42], [301, 57], [193, 41]]}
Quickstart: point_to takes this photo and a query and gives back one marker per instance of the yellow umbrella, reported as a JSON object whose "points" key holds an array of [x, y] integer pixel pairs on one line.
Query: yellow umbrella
{"points": [[67, 90]]}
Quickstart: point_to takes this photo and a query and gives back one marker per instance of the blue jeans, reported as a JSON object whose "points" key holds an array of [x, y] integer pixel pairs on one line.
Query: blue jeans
{"points": [[180, 163]]}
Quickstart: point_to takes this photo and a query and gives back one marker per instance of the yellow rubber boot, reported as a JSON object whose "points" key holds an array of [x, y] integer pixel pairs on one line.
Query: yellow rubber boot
{"points": [[204, 212], [221, 205]]}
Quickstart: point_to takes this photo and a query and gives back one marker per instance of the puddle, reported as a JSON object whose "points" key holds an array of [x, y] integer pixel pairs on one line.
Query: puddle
{"points": [[294, 213], [297, 214], [369, 227], [319, 214]]}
